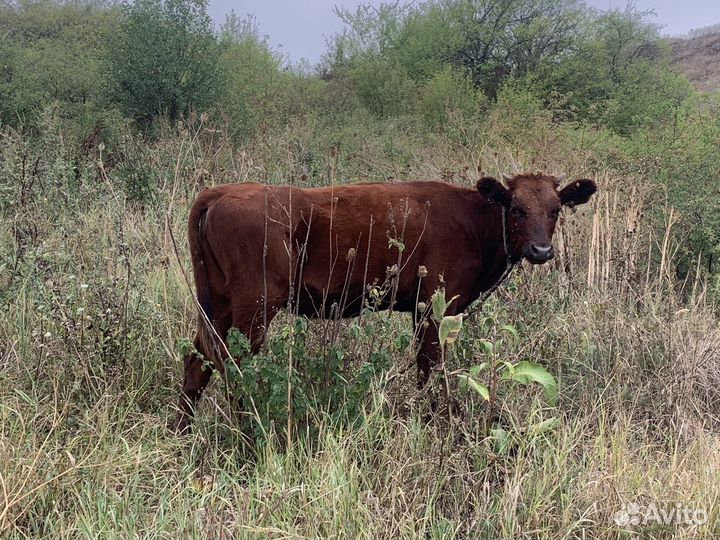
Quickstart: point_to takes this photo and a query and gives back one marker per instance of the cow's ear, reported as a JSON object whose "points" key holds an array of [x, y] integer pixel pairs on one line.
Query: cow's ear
{"points": [[577, 192], [494, 191]]}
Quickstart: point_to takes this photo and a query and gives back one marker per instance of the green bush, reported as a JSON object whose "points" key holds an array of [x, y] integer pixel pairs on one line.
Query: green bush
{"points": [[449, 91], [52, 51], [250, 76], [163, 59], [320, 382], [383, 86]]}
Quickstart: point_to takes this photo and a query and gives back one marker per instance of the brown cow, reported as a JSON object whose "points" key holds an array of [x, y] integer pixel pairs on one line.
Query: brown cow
{"points": [[257, 249]]}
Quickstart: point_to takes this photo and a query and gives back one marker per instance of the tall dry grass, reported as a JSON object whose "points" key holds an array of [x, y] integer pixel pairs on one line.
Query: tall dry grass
{"points": [[94, 306]]}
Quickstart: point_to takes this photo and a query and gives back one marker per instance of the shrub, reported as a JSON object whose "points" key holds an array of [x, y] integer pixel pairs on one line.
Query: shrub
{"points": [[448, 91], [383, 86], [163, 59], [317, 382]]}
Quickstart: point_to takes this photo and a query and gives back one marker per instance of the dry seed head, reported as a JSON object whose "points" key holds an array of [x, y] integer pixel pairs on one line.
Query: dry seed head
{"points": [[422, 306], [422, 271], [350, 254]]}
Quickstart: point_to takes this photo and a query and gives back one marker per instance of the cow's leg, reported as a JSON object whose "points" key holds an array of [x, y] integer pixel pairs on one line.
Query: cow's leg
{"points": [[429, 353], [250, 323], [199, 365], [198, 371]]}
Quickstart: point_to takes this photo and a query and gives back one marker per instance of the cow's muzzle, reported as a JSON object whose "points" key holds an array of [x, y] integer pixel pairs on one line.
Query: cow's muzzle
{"points": [[538, 253]]}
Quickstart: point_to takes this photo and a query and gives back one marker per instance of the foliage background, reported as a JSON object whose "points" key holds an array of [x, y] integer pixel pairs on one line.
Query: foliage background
{"points": [[114, 116]]}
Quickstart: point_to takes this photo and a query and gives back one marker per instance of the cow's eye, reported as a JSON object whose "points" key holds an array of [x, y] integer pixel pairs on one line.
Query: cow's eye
{"points": [[516, 211]]}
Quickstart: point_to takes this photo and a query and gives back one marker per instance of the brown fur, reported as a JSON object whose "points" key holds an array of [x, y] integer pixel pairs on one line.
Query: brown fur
{"points": [[257, 249]]}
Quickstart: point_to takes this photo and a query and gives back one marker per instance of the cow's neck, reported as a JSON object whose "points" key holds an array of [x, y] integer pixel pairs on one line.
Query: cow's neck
{"points": [[493, 248]]}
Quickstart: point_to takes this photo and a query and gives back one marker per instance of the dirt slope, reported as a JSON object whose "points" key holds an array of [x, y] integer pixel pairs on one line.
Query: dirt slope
{"points": [[699, 58]]}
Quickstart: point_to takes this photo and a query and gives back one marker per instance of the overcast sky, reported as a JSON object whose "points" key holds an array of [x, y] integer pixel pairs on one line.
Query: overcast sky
{"points": [[298, 28]]}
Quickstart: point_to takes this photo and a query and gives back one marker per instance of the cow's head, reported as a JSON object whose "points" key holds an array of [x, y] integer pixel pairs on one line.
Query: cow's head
{"points": [[533, 203]]}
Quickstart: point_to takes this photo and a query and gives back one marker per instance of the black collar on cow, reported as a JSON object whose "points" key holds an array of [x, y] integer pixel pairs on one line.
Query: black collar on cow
{"points": [[510, 263]]}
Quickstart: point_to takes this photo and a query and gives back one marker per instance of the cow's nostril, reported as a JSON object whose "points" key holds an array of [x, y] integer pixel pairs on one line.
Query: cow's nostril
{"points": [[541, 252], [541, 249]]}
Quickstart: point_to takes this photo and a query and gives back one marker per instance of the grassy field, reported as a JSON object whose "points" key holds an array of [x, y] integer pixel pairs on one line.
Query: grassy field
{"points": [[95, 307]]}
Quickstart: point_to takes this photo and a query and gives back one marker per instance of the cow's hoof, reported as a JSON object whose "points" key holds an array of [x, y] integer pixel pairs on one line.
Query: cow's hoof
{"points": [[181, 425]]}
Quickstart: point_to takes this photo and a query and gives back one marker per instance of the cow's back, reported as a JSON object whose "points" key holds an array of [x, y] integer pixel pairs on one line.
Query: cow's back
{"points": [[331, 242]]}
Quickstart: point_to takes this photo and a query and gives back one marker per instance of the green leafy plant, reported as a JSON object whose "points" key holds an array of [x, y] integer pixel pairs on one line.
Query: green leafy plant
{"points": [[487, 378], [163, 58], [448, 329], [314, 383], [497, 371]]}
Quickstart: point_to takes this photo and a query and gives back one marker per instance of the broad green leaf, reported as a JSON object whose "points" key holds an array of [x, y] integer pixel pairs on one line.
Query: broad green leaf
{"points": [[438, 304], [546, 425], [450, 329], [301, 325], [476, 386], [474, 371], [509, 368], [487, 347], [511, 330], [238, 343], [526, 372], [355, 330], [403, 340], [501, 440]]}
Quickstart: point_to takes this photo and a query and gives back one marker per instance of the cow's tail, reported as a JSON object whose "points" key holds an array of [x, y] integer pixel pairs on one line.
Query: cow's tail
{"points": [[197, 226]]}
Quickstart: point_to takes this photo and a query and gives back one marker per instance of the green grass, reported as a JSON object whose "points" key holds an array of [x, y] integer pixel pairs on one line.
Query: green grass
{"points": [[116, 471], [94, 306]]}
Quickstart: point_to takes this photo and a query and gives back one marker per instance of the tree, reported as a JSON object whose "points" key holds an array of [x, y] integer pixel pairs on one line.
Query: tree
{"points": [[250, 74], [619, 74], [52, 52], [386, 51], [513, 37], [164, 58], [487, 39]]}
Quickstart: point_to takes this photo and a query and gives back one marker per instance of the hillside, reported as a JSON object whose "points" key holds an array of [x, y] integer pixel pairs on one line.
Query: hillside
{"points": [[699, 58], [580, 399]]}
